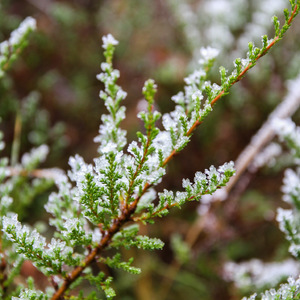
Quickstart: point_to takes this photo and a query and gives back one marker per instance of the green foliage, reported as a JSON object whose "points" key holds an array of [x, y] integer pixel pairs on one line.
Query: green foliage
{"points": [[181, 249], [10, 50], [96, 208]]}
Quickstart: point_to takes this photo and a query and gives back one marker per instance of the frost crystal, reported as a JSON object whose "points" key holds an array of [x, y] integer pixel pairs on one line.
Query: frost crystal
{"points": [[284, 215], [35, 156], [96, 236], [291, 185], [28, 24], [267, 156], [257, 273], [285, 127], [17, 35], [109, 40], [208, 53]]}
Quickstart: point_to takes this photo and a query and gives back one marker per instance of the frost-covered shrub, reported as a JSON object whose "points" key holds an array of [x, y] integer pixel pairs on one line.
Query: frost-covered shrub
{"points": [[255, 273], [98, 206]]}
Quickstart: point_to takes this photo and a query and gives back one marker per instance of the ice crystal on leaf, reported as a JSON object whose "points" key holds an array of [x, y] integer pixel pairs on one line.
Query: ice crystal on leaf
{"points": [[109, 40], [208, 53], [287, 291], [259, 274], [36, 156], [11, 48]]}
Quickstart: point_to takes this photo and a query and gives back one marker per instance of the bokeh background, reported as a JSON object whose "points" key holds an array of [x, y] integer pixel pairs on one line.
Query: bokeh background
{"points": [[53, 84]]}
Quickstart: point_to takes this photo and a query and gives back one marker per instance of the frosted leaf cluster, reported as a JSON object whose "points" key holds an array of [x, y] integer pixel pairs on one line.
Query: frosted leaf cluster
{"points": [[208, 54], [109, 40], [267, 156], [15, 41], [17, 35], [286, 291], [204, 183], [31, 294], [48, 256], [291, 186], [213, 22], [259, 274], [96, 198], [190, 106], [288, 219], [289, 132], [111, 137], [35, 157]]}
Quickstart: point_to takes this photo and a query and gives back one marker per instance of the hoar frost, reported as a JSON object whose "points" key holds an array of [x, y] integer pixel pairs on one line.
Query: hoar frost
{"points": [[109, 40]]}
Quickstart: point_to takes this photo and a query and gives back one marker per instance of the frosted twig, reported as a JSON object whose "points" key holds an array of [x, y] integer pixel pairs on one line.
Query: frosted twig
{"points": [[265, 134], [51, 173]]}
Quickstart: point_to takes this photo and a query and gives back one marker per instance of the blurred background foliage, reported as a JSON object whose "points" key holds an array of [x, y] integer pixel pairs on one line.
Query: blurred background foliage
{"points": [[53, 87]]}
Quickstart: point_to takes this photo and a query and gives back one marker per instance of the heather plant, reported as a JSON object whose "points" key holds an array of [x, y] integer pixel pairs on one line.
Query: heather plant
{"points": [[10, 49], [288, 220], [97, 208]]}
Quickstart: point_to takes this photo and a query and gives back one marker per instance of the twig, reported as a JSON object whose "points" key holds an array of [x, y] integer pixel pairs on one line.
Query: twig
{"points": [[15, 151], [52, 173]]}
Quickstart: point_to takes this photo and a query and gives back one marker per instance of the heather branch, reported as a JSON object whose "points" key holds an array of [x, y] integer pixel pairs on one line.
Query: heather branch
{"points": [[251, 64], [234, 79]]}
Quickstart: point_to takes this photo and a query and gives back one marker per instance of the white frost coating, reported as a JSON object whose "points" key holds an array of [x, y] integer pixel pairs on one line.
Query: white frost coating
{"points": [[218, 7], [4, 47], [267, 156], [259, 274], [169, 121], [163, 141], [108, 147], [211, 172], [134, 147], [79, 169], [155, 175], [195, 77], [228, 166], [96, 235], [23, 233], [183, 140], [18, 34], [294, 250], [5, 201], [284, 215], [57, 246], [291, 185], [36, 155], [197, 95], [105, 67], [266, 133], [146, 199], [109, 40], [207, 54], [28, 294], [286, 127], [286, 291], [178, 98]]}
